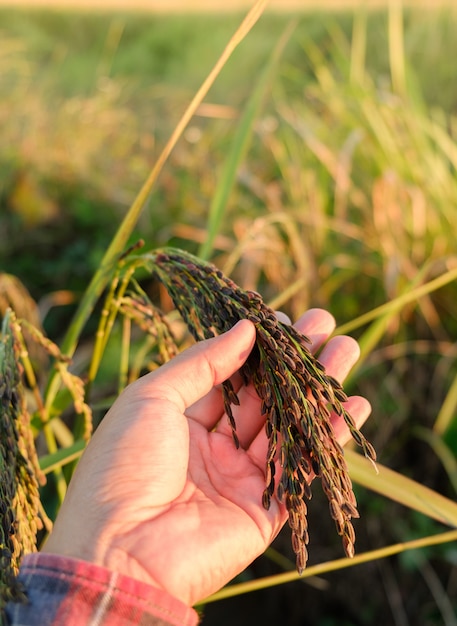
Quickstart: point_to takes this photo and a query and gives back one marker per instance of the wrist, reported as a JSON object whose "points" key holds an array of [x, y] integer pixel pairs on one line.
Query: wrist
{"points": [[99, 552]]}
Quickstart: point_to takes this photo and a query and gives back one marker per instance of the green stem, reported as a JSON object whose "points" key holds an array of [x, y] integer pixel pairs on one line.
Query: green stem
{"points": [[61, 483], [49, 436], [330, 566], [97, 352], [125, 353], [102, 275], [399, 302]]}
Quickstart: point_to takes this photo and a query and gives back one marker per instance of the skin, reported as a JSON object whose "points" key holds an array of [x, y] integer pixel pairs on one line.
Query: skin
{"points": [[161, 493]]}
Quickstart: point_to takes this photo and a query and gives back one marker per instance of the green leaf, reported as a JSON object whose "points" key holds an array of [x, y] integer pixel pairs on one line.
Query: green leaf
{"points": [[50, 462], [116, 248], [239, 147]]}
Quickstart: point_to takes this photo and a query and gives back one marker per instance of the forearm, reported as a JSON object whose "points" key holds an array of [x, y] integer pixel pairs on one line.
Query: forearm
{"points": [[64, 591]]}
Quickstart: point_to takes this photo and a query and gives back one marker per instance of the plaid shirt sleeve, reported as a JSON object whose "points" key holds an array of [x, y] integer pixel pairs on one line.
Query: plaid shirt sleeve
{"points": [[62, 591]]}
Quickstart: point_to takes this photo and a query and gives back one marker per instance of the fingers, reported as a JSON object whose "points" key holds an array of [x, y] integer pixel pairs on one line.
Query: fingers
{"points": [[192, 374], [339, 356], [317, 325], [359, 408], [189, 381], [282, 317]]}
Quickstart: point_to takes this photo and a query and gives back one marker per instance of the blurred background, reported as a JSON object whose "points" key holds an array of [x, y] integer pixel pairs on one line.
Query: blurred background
{"points": [[345, 198]]}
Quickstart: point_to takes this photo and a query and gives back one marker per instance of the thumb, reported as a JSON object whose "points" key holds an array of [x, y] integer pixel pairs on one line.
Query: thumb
{"points": [[192, 374]]}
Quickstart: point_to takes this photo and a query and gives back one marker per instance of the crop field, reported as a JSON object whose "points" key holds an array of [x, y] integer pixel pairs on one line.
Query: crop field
{"points": [[169, 6], [320, 170]]}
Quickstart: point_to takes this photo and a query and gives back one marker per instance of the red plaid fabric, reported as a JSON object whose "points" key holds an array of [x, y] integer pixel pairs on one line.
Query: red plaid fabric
{"points": [[69, 592]]}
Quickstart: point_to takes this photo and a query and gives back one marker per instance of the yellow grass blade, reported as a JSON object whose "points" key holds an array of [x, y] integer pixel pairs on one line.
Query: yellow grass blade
{"points": [[390, 484], [398, 303], [330, 566], [119, 241], [447, 412], [397, 487], [117, 246]]}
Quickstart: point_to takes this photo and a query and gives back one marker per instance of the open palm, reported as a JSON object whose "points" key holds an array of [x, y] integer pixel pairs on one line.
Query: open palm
{"points": [[162, 494]]}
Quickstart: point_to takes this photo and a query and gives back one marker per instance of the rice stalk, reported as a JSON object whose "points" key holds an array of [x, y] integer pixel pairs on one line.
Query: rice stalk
{"points": [[297, 395], [267, 582], [152, 321], [73, 383], [75, 386], [446, 414], [15, 296], [19, 469], [240, 145]]}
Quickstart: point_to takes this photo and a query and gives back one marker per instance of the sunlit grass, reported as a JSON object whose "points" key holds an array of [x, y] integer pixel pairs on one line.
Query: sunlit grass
{"points": [[328, 184]]}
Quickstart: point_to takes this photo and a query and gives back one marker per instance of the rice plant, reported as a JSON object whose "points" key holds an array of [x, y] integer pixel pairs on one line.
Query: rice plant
{"points": [[297, 395], [20, 475], [337, 191]]}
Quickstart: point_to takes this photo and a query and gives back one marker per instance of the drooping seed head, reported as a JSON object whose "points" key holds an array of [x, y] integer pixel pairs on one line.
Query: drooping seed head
{"points": [[297, 396]]}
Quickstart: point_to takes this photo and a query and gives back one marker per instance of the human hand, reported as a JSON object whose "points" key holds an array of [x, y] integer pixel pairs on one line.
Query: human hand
{"points": [[161, 493]]}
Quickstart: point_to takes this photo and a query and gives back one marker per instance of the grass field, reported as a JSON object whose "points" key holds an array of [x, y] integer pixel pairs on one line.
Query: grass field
{"points": [[167, 6], [320, 170]]}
